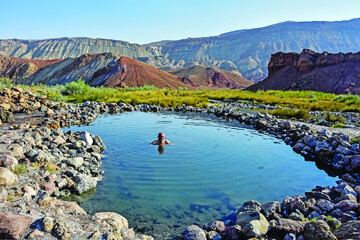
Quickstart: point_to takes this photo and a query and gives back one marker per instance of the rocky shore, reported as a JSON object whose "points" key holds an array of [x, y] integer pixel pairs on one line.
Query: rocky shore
{"points": [[60, 163]]}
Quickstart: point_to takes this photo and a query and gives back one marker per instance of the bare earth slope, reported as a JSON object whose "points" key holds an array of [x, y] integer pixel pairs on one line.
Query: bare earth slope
{"points": [[332, 73], [71, 69], [17, 68], [127, 72], [211, 77]]}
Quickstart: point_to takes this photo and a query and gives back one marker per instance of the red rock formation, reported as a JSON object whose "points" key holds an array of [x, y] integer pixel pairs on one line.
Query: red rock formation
{"points": [[127, 72], [210, 77], [307, 60], [325, 72], [18, 68]]}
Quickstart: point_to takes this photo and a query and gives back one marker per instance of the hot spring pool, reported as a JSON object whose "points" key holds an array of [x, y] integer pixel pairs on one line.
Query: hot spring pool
{"points": [[212, 168]]}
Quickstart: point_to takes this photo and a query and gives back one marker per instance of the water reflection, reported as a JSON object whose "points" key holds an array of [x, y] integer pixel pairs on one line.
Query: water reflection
{"points": [[161, 149]]}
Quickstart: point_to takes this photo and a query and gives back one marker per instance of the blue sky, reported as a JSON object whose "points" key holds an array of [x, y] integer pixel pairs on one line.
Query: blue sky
{"points": [[144, 21]]}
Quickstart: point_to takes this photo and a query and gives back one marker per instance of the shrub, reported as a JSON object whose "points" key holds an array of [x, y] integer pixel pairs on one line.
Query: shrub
{"points": [[290, 113], [74, 88], [355, 140], [5, 83], [331, 118], [338, 125]]}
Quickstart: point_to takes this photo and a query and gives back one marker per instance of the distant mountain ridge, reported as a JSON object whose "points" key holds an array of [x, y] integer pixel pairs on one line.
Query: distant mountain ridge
{"points": [[323, 72], [110, 70], [247, 51]]}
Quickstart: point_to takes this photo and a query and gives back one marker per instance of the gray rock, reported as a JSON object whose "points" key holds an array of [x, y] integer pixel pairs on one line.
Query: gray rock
{"points": [[321, 146], [349, 190], [8, 161], [313, 215], [355, 162], [348, 230], [76, 162], [254, 224], [233, 233], [271, 207], [85, 136], [250, 206], [284, 226], [98, 141], [193, 232], [317, 195], [217, 226], [42, 157], [346, 205], [290, 236], [84, 183], [298, 147], [318, 230], [6, 177], [288, 125], [79, 144], [325, 205], [296, 216]]}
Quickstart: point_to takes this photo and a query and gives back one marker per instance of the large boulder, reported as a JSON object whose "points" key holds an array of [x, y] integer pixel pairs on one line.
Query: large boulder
{"points": [[85, 136], [6, 116], [76, 162], [284, 226], [12, 225], [193, 232], [355, 162], [8, 161], [217, 226], [111, 220], [346, 205], [6, 177], [318, 230], [84, 183], [250, 206], [254, 224], [271, 207], [348, 230]]}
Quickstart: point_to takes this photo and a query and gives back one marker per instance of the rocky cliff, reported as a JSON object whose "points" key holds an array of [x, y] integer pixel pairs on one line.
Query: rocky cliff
{"points": [[211, 77], [71, 48], [247, 51], [324, 72]]}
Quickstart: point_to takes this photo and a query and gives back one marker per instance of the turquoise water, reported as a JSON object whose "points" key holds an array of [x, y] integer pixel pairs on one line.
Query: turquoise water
{"points": [[212, 167]]}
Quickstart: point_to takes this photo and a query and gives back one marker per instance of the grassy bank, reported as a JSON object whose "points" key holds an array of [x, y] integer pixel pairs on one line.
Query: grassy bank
{"points": [[299, 101]]}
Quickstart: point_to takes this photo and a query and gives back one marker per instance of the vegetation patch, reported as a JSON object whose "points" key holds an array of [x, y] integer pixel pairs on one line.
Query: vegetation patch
{"points": [[299, 101], [20, 168]]}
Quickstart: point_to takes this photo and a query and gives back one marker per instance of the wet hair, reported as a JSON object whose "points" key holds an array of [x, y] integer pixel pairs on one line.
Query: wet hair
{"points": [[161, 134]]}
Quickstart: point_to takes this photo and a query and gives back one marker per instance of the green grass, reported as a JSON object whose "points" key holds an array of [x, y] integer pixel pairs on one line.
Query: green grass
{"points": [[20, 168], [331, 118], [290, 113], [355, 140], [296, 103], [338, 125]]}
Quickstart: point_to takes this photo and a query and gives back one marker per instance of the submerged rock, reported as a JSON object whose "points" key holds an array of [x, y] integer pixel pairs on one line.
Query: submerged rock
{"points": [[254, 224], [111, 220], [193, 232]]}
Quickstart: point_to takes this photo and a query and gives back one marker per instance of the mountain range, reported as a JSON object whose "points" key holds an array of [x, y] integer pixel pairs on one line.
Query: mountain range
{"points": [[244, 51], [111, 70]]}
